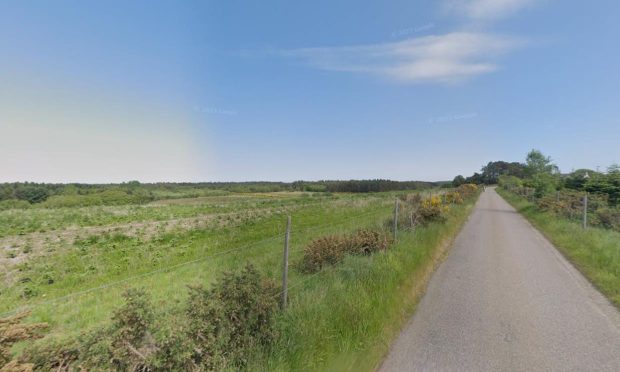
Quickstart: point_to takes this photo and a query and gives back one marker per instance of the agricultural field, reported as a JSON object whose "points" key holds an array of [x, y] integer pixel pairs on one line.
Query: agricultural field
{"points": [[69, 267]]}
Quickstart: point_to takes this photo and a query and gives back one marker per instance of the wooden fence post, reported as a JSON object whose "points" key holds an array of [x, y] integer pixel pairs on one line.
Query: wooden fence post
{"points": [[585, 210], [395, 218], [287, 236]]}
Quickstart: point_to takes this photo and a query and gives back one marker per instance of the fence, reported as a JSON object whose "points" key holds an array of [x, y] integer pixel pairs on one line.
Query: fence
{"points": [[579, 206], [174, 278]]}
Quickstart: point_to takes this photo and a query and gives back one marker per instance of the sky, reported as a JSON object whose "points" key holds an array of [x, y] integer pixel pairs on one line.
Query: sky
{"points": [[285, 90]]}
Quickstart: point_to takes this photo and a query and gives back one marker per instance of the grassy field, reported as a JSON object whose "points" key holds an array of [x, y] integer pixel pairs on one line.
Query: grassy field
{"points": [[594, 251], [70, 266]]}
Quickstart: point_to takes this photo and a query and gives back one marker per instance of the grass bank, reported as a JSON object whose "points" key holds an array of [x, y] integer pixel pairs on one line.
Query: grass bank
{"points": [[594, 251], [346, 317]]}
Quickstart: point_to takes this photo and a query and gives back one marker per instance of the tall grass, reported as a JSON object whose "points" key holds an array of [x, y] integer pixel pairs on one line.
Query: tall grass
{"points": [[594, 251], [346, 317]]}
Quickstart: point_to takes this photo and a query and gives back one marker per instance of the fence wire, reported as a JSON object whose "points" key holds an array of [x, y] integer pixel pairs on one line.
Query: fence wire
{"points": [[170, 268]]}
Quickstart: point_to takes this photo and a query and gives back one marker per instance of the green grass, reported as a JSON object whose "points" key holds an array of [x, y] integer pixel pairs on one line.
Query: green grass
{"points": [[344, 317], [594, 251], [39, 219]]}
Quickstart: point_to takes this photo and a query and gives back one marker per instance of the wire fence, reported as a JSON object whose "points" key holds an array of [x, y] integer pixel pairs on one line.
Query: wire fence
{"points": [[67, 299]]}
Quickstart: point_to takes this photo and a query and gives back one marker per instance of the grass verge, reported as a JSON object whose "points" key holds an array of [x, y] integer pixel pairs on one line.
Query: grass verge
{"points": [[347, 317], [594, 251]]}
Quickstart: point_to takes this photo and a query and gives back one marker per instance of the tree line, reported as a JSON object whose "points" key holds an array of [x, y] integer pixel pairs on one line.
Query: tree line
{"points": [[539, 173], [24, 194]]}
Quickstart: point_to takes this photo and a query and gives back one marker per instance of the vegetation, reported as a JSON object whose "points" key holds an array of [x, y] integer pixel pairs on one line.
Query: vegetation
{"points": [[12, 331], [332, 249], [594, 251], [222, 321], [491, 173], [554, 203], [23, 195]]}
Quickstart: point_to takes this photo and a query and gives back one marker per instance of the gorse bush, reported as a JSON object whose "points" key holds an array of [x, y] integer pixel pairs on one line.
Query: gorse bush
{"points": [[453, 197], [331, 249], [234, 316], [608, 218], [219, 328], [431, 210], [467, 190], [570, 203], [12, 331], [131, 341], [127, 344], [326, 250], [416, 210]]}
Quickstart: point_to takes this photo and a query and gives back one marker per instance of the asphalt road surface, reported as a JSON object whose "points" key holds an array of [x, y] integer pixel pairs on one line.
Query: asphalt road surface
{"points": [[506, 300]]}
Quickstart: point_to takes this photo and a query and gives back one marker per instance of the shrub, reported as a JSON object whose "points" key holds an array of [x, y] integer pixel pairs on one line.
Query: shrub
{"points": [[234, 316], [467, 190], [53, 355], [331, 249], [367, 241], [130, 338], [326, 250], [609, 218], [430, 210], [453, 197], [14, 204]]}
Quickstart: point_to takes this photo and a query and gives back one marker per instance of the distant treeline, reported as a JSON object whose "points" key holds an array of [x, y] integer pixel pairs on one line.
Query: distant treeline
{"points": [[24, 194], [361, 185]]}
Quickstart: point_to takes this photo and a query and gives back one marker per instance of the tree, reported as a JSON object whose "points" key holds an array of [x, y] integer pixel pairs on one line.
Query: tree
{"points": [[576, 180], [537, 163], [543, 175], [494, 169], [458, 181]]}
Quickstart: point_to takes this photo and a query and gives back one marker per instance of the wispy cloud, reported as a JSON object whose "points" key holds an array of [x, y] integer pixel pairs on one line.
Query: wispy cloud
{"points": [[486, 10], [443, 58]]}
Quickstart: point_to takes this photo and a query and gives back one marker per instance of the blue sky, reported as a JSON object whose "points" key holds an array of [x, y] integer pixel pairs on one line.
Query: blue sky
{"points": [[281, 90]]}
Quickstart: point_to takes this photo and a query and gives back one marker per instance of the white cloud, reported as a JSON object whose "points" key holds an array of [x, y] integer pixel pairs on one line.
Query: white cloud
{"points": [[443, 58], [486, 9]]}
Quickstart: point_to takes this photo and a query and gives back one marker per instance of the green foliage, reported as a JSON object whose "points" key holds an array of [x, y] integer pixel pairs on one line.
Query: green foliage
{"points": [[537, 163], [458, 181], [608, 218], [220, 328], [31, 193], [134, 192], [594, 251], [509, 182], [495, 169], [377, 185], [131, 341], [100, 258], [236, 315], [543, 175], [13, 204]]}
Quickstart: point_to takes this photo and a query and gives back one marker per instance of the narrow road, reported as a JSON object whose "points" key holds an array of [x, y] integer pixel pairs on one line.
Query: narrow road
{"points": [[506, 300]]}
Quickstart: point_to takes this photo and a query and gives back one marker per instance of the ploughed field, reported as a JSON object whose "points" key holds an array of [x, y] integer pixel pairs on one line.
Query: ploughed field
{"points": [[69, 266]]}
